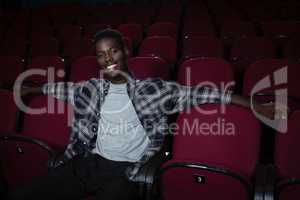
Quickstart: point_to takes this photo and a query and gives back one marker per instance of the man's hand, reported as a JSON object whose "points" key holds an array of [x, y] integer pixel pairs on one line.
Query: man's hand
{"points": [[268, 110]]}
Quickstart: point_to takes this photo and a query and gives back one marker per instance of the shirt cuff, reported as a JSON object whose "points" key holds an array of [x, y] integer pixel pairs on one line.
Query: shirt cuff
{"points": [[226, 96]]}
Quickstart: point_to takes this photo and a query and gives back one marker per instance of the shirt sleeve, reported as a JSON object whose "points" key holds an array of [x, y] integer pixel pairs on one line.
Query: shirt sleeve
{"points": [[186, 96], [62, 90]]}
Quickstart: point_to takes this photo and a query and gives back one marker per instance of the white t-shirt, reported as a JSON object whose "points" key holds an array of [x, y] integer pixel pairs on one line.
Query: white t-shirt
{"points": [[121, 136]]}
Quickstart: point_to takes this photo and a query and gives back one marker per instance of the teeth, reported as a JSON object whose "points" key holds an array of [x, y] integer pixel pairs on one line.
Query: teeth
{"points": [[111, 67]]}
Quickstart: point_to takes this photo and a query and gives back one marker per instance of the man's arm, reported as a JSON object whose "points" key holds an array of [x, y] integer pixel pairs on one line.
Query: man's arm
{"points": [[61, 90], [268, 110], [182, 97], [186, 96], [31, 91], [240, 100]]}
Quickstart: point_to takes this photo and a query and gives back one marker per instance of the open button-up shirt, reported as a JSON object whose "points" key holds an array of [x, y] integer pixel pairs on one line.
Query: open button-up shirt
{"points": [[153, 100]]}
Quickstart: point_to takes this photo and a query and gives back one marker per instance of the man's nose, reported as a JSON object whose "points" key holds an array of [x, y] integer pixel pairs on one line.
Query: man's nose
{"points": [[108, 58]]}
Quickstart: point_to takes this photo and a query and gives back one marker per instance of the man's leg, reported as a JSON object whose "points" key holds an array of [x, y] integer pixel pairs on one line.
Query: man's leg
{"points": [[118, 188], [61, 183]]}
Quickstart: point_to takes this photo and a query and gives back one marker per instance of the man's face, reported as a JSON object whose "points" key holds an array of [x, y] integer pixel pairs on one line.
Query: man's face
{"points": [[112, 58]]}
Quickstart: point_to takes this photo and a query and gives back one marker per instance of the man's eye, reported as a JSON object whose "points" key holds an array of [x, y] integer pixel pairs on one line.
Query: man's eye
{"points": [[115, 50], [99, 55]]}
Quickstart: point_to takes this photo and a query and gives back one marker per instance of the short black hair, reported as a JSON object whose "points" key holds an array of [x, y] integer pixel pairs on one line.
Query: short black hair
{"points": [[110, 33]]}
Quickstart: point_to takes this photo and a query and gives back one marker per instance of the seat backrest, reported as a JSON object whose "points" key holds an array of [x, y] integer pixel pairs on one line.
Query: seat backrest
{"points": [[44, 46], [198, 28], [132, 31], [214, 72], [11, 67], [52, 126], [161, 46], [220, 138], [41, 30], [169, 13], [252, 48], [202, 47], [277, 29], [14, 46], [140, 13], [261, 69], [8, 117], [292, 49], [84, 68], [91, 29], [279, 80], [287, 145], [47, 63], [74, 49], [163, 29], [236, 29], [146, 67]]}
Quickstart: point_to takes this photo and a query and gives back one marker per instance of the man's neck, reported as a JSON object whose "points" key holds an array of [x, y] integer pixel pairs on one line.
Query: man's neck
{"points": [[119, 81]]}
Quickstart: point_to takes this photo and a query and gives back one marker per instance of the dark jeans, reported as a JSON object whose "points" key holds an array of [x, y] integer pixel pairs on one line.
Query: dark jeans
{"points": [[80, 177]]}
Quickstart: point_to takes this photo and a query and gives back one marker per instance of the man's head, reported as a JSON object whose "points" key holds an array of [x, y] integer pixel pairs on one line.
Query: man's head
{"points": [[111, 54]]}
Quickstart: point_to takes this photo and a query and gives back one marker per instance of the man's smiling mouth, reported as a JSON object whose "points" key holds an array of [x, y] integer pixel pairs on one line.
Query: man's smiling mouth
{"points": [[112, 67]]}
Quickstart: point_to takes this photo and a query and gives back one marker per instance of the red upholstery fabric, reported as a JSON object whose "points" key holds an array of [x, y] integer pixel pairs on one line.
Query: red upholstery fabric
{"points": [[69, 32], [289, 193], [52, 126], [146, 67], [8, 115], [292, 49], [202, 139], [236, 29], [11, 67], [14, 46], [44, 46], [74, 49], [287, 164], [91, 29], [267, 67], [250, 49], [84, 68], [198, 28], [132, 31], [161, 46], [163, 29], [46, 63], [202, 47], [206, 71]]}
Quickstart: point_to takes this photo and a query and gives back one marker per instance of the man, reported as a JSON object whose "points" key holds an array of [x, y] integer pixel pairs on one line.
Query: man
{"points": [[118, 126]]}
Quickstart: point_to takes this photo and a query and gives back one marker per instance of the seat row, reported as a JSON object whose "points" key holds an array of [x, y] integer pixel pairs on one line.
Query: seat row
{"points": [[213, 155]]}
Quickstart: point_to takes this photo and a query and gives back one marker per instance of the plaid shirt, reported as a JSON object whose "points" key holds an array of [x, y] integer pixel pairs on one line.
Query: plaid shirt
{"points": [[153, 100]]}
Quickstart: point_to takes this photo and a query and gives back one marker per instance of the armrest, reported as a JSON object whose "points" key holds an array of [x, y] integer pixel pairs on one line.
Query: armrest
{"points": [[23, 138], [146, 175], [15, 137], [56, 159]]}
